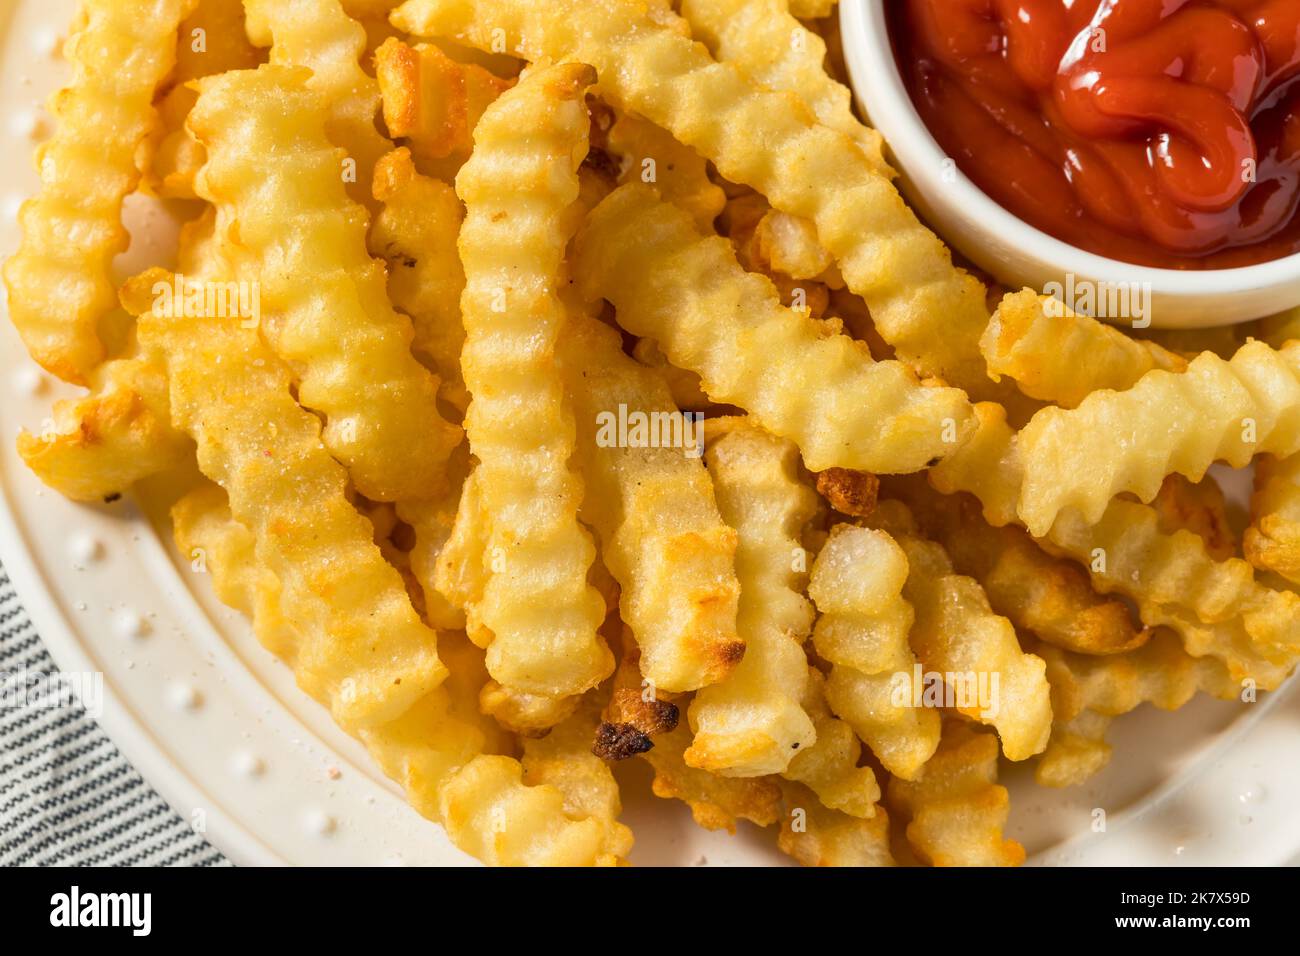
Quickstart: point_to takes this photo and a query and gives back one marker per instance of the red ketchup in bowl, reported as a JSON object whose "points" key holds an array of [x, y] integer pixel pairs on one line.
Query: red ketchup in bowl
{"points": [[1159, 132]]}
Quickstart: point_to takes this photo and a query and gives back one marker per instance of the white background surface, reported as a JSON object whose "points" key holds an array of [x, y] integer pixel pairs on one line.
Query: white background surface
{"points": [[219, 729]]}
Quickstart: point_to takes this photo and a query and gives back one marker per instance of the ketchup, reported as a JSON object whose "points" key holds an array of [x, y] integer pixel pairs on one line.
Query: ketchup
{"points": [[1160, 132]]}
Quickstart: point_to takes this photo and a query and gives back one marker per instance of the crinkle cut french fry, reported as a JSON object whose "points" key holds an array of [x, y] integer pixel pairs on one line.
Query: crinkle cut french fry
{"points": [[1057, 355], [319, 35], [519, 184], [829, 767], [716, 802], [767, 42], [98, 446], [930, 311], [1088, 691], [434, 102], [817, 836], [955, 813], [415, 233], [1272, 541], [233, 397], [957, 635], [651, 155], [654, 511], [1036, 591], [1217, 607], [101, 444], [323, 301], [60, 280], [753, 722], [798, 379], [563, 759], [211, 41], [1199, 507], [1129, 441], [857, 584], [213, 542]]}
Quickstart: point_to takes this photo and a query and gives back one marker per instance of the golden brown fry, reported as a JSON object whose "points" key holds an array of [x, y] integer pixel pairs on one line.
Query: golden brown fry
{"points": [[829, 767], [415, 233], [434, 102], [1059, 356], [60, 280], [323, 302], [955, 813], [319, 35], [689, 294], [849, 492], [857, 583], [1167, 423], [1272, 541], [817, 836], [1047, 595], [654, 511], [716, 802], [752, 722], [537, 610]]}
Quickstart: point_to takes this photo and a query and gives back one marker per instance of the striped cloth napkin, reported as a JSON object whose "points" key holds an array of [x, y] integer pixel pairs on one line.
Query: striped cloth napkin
{"points": [[67, 796]]}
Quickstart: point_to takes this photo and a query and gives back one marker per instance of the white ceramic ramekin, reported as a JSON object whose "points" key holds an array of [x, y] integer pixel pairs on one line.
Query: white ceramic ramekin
{"points": [[1015, 252]]}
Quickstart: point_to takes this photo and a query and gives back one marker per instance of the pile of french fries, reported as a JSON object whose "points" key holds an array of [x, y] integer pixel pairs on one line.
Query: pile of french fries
{"points": [[604, 400]]}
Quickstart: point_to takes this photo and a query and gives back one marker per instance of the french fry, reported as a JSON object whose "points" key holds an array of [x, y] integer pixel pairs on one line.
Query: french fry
{"points": [[817, 836], [765, 40], [857, 584], [1217, 607], [324, 306], [99, 445], [1088, 691], [955, 813], [564, 760], [931, 312], [1167, 423], [211, 40], [415, 233], [716, 802], [1199, 507], [1057, 355], [829, 767], [60, 280], [539, 610], [753, 722], [654, 512], [432, 520], [1046, 595], [460, 572], [849, 492], [1272, 542], [652, 155], [707, 314], [956, 634], [319, 35], [434, 102], [210, 539], [233, 397]]}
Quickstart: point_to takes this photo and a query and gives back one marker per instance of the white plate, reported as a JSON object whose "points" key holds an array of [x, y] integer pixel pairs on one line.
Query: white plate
{"points": [[219, 729]]}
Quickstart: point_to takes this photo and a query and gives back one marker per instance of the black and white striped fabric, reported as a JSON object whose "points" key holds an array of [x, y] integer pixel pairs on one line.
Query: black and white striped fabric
{"points": [[67, 796]]}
